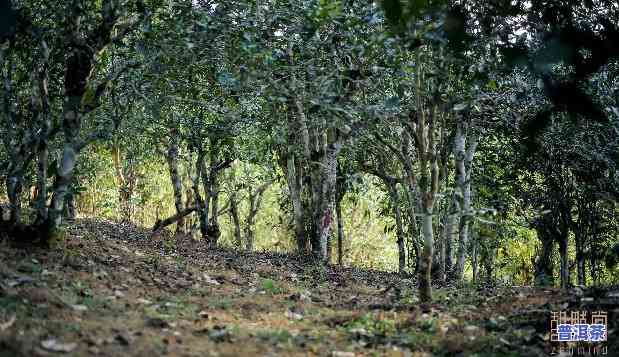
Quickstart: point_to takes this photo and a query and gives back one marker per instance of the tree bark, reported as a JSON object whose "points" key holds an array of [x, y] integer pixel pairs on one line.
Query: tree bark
{"points": [[294, 187], [425, 270], [395, 202], [234, 215], [327, 197], [340, 231], [173, 219], [580, 258], [414, 201], [201, 203], [565, 265], [544, 269], [429, 185], [464, 159], [70, 211], [175, 178], [474, 261], [14, 187], [41, 201], [215, 232], [448, 233]]}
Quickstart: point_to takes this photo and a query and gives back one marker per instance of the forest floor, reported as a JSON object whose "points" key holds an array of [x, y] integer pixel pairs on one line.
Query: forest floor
{"points": [[113, 290]]}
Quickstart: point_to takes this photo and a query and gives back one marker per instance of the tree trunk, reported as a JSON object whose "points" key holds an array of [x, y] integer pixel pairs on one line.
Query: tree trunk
{"points": [[488, 266], [297, 205], [71, 126], [412, 231], [544, 270], [565, 265], [593, 270], [474, 260], [234, 215], [327, 198], [41, 201], [425, 270], [160, 224], [414, 203], [395, 202], [298, 156], [448, 233], [14, 187], [580, 258], [463, 171], [215, 232], [175, 178], [201, 204], [69, 209], [340, 231]]}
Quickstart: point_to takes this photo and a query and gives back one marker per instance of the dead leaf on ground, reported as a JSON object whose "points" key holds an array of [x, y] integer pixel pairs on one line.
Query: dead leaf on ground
{"points": [[5, 326], [54, 345]]}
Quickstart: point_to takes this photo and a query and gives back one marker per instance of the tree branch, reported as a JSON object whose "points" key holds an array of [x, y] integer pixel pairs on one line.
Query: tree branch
{"points": [[173, 219]]}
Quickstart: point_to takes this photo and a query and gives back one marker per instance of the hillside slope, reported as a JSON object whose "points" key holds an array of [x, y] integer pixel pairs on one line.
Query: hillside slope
{"points": [[112, 290]]}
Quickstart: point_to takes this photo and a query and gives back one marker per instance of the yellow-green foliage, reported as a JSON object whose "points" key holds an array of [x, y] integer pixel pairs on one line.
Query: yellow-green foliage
{"points": [[367, 245], [515, 257]]}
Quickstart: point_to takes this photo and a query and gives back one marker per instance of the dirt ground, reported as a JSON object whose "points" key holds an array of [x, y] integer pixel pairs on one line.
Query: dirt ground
{"points": [[113, 290]]}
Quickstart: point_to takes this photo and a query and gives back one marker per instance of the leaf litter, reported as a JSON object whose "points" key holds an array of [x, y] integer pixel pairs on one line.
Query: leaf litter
{"points": [[112, 290]]}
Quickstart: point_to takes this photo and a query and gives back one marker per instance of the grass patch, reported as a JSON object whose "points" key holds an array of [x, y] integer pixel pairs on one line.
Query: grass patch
{"points": [[271, 287]]}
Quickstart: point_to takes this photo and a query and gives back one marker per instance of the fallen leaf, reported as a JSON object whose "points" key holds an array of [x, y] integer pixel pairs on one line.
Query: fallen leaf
{"points": [[54, 345], [342, 354], [6, 325], [210, 280], [79, 308], [293, 315]]}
